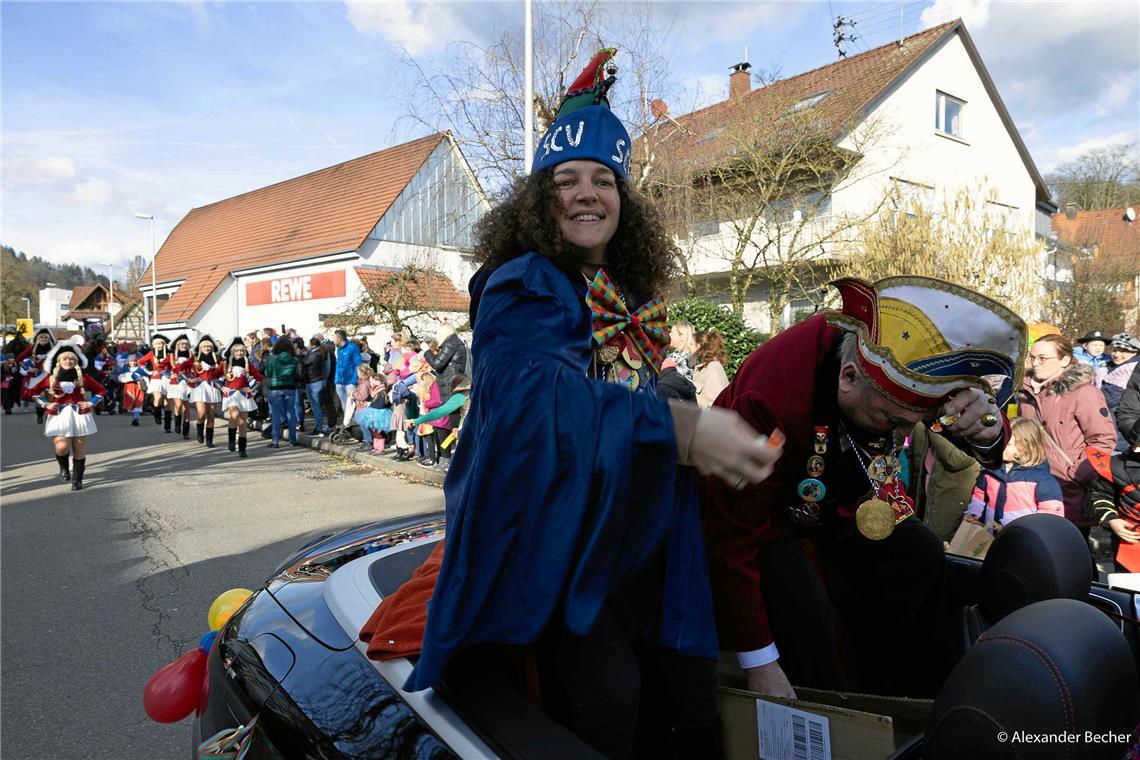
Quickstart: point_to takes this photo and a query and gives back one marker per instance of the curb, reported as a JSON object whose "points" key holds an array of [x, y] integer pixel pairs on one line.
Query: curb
{"points": [[385, 464]]}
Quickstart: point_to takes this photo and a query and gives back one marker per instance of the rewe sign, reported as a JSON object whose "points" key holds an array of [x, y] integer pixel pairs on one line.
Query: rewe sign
{"points": [[305, 287]]}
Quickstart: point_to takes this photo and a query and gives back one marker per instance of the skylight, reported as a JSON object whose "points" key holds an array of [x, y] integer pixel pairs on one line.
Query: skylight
{"points": [[810, 102]]}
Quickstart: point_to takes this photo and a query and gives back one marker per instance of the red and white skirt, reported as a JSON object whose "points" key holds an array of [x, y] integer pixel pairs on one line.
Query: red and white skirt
{"points": [[69, 422]]}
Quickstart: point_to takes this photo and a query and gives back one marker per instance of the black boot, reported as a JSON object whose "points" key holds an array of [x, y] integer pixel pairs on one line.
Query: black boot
{"points": [[39, 415], [241, 447], [201, 435], [177, 424], [186, 428], [232, 433], [157, 415], [64, 472], [166, 420], [77, 478], [209, 438]]}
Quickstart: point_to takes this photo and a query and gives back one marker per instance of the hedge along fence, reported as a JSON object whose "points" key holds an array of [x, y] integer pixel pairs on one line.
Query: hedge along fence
{"points": [[739, 339]]}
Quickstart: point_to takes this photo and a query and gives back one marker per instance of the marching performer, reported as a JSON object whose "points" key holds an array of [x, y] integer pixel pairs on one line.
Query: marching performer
{"points": [[241, 378], [157, 363], [207, 374], [177, 388], [31, 361], [69, 415], [129, 378]]}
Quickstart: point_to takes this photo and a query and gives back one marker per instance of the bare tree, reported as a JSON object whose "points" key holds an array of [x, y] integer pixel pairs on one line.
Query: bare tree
{"points": [[748, 195], [478, 94], [135, 271], [1101, 178], [397, 299], [960, 240]]}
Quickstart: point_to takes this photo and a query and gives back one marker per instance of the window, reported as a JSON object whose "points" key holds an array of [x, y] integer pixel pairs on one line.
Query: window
{"points": [[809, 102], [948, 114]]}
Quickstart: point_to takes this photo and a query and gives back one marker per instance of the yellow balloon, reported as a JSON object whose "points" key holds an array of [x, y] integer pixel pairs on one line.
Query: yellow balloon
{"points": [[225, 605]]}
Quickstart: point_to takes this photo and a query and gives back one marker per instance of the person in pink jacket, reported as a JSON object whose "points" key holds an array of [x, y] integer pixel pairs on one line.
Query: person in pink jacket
{"points": [[1059, 394], [1023, 484]]}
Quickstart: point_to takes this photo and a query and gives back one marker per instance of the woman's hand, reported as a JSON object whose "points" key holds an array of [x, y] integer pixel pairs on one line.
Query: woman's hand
{"points": [[1127, 533], [973, 520], [725, 446]]}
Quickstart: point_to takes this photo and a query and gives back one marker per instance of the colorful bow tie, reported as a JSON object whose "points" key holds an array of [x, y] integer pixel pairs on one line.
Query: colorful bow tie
{"points": [[645, 328]]}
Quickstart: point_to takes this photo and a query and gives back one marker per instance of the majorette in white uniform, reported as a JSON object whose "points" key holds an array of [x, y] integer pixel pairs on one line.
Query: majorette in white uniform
{"points": [[241, 378], [208, 371], [177, 388], [157, 364], [69, 414]]}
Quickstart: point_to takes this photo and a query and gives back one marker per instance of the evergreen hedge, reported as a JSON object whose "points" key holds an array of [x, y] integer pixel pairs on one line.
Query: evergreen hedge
{"points": [[739, 339]]}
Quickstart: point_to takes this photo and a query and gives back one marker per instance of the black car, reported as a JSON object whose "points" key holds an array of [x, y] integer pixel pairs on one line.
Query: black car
{"points": [[292, 658]]}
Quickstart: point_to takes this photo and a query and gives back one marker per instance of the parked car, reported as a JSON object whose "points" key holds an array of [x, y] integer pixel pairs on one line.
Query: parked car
{"points": [[291, 656]]}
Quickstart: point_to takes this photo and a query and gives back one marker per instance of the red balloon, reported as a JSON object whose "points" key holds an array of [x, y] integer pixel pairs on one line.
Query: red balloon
{"points": [[173, 692]]}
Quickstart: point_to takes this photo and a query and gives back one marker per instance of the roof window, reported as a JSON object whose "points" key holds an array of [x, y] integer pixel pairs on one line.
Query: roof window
{"points": [[810, 101]]}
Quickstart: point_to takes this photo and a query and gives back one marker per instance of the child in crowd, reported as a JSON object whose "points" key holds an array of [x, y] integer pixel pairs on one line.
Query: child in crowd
{"points": [[405, 406], [376, 419], [1021, 486], [133, 394]]}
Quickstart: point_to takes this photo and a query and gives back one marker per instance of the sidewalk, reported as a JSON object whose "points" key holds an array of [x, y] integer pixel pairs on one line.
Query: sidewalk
{"points": [[383, 463]]}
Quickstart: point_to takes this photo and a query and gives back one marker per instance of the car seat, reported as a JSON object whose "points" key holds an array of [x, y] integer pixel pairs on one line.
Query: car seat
{"points": [[1055, 667], [1034, 558]]}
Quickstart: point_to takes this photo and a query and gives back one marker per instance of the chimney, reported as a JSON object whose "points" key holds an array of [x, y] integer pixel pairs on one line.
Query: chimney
{"points": [[1071, 210], [739, 81]]}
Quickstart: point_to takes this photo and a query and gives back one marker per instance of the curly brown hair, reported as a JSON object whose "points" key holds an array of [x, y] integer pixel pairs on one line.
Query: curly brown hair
{"points": [[641, 257], [711, 347]]}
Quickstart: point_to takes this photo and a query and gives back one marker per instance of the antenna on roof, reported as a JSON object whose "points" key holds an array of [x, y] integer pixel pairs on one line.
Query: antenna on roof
{"points": [[901, 43], [840, 33]]}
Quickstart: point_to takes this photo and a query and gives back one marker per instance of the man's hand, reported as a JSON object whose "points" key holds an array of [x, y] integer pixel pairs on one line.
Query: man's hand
{"points": [[968, 407], [770, 681], [973, 520], [1126, 532]]}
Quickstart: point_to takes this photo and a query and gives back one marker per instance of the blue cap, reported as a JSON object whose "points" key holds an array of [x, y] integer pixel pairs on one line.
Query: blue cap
{"points": [[592, 133]]}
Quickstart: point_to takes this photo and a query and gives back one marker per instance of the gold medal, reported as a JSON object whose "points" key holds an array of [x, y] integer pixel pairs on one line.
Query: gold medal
{"points": [[875, 519]]}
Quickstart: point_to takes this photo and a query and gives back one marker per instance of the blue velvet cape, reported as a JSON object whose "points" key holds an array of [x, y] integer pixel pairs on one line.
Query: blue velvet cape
{"points": [[563, 485]]}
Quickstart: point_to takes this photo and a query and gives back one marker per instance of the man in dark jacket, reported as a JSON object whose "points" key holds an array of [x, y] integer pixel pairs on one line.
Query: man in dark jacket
{"points": [[1128, 412], [450, 361], [314, 370]]}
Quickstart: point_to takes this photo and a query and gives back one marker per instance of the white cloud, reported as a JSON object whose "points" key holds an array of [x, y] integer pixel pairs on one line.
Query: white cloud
{"points": [[418, 27], [56, 168], [1069, 152], [94, 192], [1052, 57]]}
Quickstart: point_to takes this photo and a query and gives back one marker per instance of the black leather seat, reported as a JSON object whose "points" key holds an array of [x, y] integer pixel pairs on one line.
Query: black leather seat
{"points": [[1034, 558], [1054, 667]]}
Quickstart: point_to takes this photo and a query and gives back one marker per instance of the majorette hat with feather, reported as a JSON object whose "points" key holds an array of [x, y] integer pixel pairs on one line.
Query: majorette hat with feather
{"points": [[921, 339]]}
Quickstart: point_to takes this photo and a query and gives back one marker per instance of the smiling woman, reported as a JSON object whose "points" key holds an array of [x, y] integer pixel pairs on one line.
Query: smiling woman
{"points": [[572, 521]]}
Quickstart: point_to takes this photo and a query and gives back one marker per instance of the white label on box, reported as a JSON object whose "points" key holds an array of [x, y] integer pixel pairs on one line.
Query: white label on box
{"points": [[790, 734]]}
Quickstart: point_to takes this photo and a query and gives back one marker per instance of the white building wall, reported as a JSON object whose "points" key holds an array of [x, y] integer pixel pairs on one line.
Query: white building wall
{"points": [[53, 305], [910, 148]]}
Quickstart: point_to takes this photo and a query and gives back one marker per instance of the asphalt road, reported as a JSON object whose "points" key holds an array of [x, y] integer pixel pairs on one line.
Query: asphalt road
{"points": [[100, 588]]}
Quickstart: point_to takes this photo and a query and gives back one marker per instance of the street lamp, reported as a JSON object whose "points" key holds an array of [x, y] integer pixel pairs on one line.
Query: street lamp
{"points": [[27, 301], [153, 276], [111, 297]]}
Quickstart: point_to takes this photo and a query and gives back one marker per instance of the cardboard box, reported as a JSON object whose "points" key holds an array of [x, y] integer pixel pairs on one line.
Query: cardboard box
{"points": [[859, 726], [971, 540]]}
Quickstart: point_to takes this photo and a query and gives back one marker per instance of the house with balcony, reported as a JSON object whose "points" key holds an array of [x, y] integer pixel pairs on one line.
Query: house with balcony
{"points": [[908, 124]]}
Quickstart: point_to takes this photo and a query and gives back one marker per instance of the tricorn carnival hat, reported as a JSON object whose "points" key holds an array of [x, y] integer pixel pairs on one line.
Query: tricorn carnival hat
{"points": [[179, 338], [206, 338], [236, 342], [160, 336], [921, 339], [44, 331], [585, 127], [64, 347]]}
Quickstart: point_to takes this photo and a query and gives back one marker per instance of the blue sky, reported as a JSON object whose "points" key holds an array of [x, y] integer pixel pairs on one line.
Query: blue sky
{"points": [[112, 108]]}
